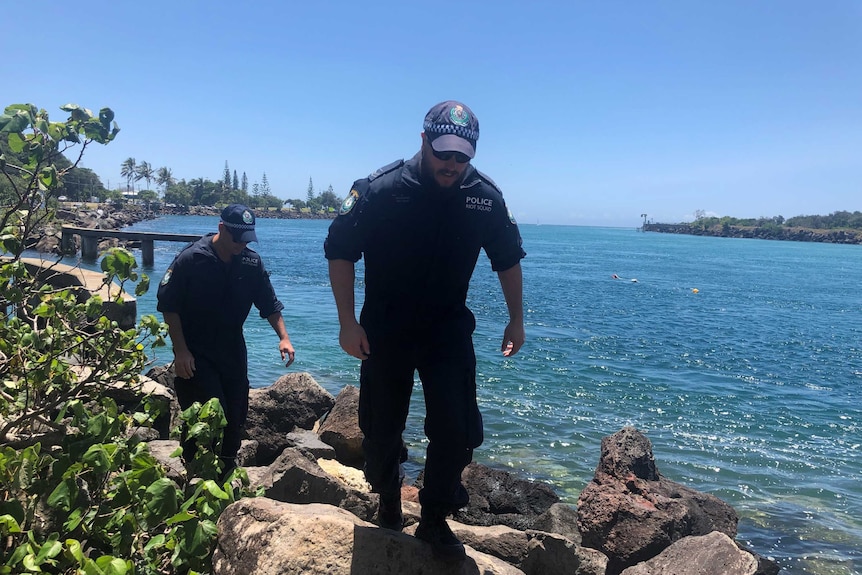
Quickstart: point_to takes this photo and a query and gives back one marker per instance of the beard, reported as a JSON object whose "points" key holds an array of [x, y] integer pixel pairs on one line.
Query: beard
{"points": [[451, 180]]}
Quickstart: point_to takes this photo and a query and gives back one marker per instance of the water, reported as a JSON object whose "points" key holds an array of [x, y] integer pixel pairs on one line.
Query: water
{"points": [[748, 388]]}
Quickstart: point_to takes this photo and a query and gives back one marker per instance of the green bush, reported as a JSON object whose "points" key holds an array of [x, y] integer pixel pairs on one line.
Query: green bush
{"points": [[80, 491]]}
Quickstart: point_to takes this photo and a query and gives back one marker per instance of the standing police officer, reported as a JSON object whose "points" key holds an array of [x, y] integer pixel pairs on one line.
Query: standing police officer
{"points": [[420, 225], [205, 296]]}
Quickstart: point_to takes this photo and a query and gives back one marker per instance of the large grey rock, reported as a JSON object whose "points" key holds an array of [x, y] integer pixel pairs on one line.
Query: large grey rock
{"points": [[711, 554], [264, 537], [341, 428], [552, 554], [294, 401], [296, 478]]}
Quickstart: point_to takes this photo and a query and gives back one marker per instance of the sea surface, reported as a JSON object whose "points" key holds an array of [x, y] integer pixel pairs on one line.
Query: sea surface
{"points": [[740, 360]]}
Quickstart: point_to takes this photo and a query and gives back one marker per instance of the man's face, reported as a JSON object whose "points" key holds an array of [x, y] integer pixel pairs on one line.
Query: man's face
{"points": [[234, 247], [446, 173]]}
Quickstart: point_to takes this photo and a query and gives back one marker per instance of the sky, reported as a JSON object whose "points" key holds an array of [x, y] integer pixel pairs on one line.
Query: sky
{"points": [[591, 112]]}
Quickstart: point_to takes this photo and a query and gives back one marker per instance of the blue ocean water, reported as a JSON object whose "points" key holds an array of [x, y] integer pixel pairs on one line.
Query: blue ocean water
{"points": [[747, 387]]}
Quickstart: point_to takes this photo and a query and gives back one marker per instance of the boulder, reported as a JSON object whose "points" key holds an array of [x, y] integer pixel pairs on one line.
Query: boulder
{"points": [[711, 554], [498, 497], [296, 478], [341, 430], [294, 401], [549, 554], [631, 513], [268, 537]]}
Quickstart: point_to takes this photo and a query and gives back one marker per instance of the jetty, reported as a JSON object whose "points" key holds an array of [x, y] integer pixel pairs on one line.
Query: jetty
{"points": [[90, 241]]}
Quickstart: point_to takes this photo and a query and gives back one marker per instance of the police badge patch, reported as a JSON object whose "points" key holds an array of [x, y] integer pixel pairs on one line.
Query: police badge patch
{"points": [[349, 202], [166, 278], [512, 217]]}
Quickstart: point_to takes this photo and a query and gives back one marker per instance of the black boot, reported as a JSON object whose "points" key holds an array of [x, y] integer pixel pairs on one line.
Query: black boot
{"points": [[433, 529], [389, 512]]}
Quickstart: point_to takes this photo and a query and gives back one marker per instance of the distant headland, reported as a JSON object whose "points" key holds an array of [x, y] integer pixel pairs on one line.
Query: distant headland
{"points": [[836, 228]]}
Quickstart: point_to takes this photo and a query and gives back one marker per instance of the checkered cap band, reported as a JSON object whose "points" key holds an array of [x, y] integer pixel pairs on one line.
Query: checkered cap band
{"points": [[238, 226], [460, 131]]}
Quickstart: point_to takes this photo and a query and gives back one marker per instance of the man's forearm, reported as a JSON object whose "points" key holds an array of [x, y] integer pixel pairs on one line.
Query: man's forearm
{"points": [[342, 277], [512, 283], [175, 331]]}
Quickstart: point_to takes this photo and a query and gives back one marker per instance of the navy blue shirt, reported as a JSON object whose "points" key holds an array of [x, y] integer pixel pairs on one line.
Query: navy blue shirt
{"points": [[213, 298], [421, 243]]}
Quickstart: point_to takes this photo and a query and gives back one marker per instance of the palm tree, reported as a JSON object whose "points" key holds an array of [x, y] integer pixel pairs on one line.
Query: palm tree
{"points": [[145, 172], [129, 170], [165, 178]]}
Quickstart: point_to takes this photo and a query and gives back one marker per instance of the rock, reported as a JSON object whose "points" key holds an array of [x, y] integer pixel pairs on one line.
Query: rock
{"points": [[631, 513], [549, 553], [309, 442], [294, 400], [341, 428], [498, 497], [711, 554], [295, 478], [272, 538], [561, 519]]}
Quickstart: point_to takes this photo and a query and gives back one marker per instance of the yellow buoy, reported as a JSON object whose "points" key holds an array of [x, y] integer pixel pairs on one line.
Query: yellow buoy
{"points": [[695, 290]]}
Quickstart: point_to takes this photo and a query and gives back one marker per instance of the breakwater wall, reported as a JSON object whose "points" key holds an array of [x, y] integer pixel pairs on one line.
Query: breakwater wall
{"points": [[841, 236]]}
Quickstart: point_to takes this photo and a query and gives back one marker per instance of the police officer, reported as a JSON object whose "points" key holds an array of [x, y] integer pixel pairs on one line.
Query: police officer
{"points": [[420, 226], [206, 295]]}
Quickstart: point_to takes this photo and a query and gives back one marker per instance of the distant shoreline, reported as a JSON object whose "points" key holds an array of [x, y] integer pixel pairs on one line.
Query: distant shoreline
{"points": [[794, 234]]}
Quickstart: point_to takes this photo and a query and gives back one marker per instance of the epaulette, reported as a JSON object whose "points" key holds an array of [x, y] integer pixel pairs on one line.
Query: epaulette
{"points": [[385, 170], [488, 181]]}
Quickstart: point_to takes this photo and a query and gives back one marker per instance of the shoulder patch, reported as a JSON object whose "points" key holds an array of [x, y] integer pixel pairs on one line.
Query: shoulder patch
{"points": [[385, 170], [349, 202], [166, 278]]}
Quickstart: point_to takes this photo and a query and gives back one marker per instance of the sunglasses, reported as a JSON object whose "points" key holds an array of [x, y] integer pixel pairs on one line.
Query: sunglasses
{"points": [[446, 156]]}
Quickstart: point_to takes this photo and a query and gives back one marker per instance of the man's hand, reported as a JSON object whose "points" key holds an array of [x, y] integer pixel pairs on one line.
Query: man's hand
{"points": [[286, 349], [354, 341], [184, 363], [513, 339]]}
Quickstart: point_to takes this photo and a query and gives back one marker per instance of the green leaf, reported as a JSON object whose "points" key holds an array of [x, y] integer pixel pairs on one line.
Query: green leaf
{"points": [[8, 525], [161, 499], [16, 143], [48, 177], [50, 549], [63, 495], [75, 549], [113, 565]]}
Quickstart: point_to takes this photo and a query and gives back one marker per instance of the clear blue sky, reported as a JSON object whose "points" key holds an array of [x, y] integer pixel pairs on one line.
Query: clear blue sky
{"points": [[591, 113]]}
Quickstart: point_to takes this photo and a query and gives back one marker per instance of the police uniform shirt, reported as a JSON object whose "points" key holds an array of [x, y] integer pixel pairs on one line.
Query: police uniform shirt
{"points": [[421, 244], [213, 298]]}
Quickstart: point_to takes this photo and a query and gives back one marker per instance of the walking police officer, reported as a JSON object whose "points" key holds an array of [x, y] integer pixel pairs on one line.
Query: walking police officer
{"points": [[420, 226], [205, 296]]}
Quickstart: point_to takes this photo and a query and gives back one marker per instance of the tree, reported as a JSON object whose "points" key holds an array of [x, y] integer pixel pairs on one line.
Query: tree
{"points": [[328, 199], [164, 178], [244, 185], [226, 178], [145, 172], [129, 170], [309, 195], [264, 185], [295, 204], [235, 184]]}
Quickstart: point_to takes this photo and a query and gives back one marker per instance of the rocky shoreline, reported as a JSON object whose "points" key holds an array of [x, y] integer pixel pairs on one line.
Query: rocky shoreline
{"points": [[842, 236], [302, 447]]}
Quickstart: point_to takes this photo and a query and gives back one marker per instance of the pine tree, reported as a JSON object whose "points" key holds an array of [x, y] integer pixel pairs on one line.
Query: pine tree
{"points": [[309, 196], [264, 185], [226, 176], [244, 183], [235, 181]]}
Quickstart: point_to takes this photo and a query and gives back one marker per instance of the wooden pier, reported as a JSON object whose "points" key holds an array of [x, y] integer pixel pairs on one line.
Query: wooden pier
{"points": [[90, 241]]}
